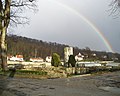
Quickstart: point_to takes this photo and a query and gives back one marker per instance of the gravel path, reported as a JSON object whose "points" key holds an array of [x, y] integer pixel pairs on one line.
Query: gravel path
{"points": [[107, 84]]}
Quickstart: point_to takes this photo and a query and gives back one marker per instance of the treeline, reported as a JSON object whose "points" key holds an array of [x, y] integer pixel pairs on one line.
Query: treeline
{"points": [[32, 48], [37, 48]]}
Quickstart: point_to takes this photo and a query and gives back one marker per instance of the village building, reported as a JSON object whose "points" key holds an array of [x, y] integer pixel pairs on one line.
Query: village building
{"points": [[36, 59], [15, 58], [79, 57], [94, 55], [48, 59]]}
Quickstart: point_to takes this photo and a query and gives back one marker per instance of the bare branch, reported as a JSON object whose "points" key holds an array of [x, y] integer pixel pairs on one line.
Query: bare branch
{"points": [[18, 7], [114, 8]]}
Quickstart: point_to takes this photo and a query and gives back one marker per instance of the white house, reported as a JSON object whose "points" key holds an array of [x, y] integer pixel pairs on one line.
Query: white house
{"points": [[94, 55], [79, 57], [48, 59], [16, 58], [36, 59]]}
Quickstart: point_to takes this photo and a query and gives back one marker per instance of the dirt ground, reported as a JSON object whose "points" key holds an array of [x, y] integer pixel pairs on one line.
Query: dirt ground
{"points": [[107, 84]]}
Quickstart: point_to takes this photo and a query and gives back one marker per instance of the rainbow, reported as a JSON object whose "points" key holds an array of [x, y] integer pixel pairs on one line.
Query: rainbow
{"points": [[98, 32]]}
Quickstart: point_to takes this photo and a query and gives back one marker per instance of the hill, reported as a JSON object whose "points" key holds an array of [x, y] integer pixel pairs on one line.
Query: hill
{"points": [[37, 48]]}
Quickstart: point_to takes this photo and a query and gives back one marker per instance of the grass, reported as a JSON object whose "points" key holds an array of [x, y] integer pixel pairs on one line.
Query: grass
{"points": [[43, 74], [102, 70], [24, 74], [31, 72]]}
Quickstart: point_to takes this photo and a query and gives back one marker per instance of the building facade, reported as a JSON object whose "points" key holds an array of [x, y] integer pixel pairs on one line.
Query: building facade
{"points": [[48, 59], [79, 57]]}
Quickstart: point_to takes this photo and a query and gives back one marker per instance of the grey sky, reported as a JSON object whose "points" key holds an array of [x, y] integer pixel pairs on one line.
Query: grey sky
{"points": [[54, 23]]}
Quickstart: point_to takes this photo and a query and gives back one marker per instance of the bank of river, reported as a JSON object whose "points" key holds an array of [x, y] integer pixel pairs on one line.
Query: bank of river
{"points": [[107, 84]]}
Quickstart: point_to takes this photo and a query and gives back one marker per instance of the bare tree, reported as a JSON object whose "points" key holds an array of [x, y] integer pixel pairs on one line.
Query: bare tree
{"points": [[115, 8], [10, 13]]}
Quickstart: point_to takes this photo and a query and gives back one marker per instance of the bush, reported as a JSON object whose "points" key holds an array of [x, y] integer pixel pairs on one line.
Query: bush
{"points": [[71, 61], [55, 60]]}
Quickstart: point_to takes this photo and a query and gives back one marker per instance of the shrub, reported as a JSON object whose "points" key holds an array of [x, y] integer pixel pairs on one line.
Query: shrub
{"points": [[71, 61], [55, 60]]}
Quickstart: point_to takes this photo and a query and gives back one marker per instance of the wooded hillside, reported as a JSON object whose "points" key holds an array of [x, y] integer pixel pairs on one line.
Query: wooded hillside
{"points": [[37, 48]]}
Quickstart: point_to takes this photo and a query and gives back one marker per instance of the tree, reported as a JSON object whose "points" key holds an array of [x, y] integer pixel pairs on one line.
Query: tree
{"points": [[71, 61], [115, 8], [55, 60], [10, 11]]}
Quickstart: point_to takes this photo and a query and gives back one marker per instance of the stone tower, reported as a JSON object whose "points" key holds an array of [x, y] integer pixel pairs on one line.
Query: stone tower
{"points": [[67, 52]]}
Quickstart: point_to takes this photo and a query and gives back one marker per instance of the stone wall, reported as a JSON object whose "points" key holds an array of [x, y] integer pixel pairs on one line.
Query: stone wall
{"points": [[56, 72], [77, 71]]}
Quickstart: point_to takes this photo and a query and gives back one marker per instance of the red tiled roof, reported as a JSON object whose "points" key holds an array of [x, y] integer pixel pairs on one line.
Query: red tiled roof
{"points": [[19, 56]]}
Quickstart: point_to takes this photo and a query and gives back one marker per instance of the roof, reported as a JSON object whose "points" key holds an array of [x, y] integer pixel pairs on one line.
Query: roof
{"points": [[19, 56]]}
